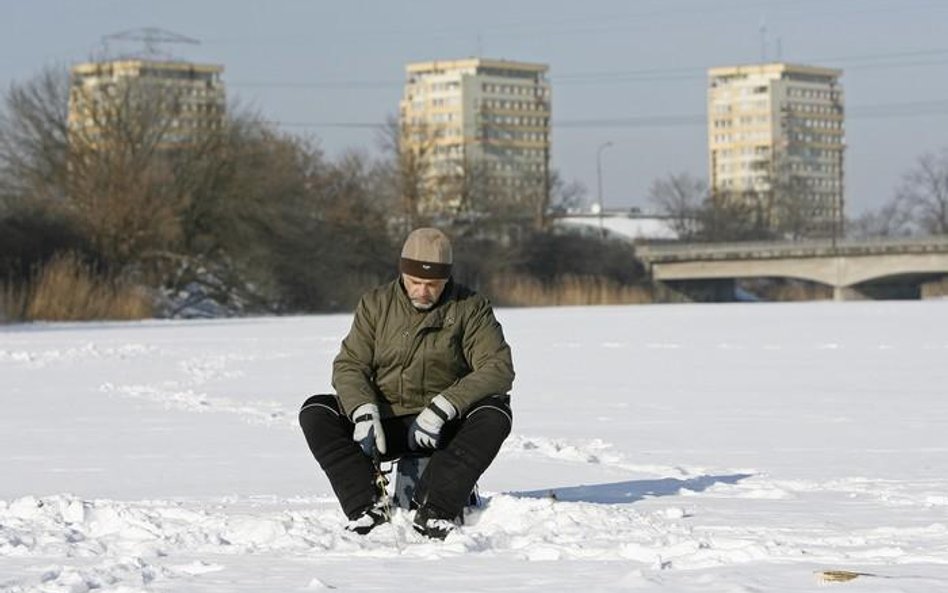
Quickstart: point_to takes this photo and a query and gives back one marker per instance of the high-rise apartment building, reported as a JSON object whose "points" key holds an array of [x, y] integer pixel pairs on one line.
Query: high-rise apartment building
{"points": [[182, 99], [775, 134], [479, 132]]}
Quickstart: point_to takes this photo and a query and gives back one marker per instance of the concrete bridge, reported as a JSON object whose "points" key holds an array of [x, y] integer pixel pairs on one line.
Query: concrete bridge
{"points": [[851, 268]]}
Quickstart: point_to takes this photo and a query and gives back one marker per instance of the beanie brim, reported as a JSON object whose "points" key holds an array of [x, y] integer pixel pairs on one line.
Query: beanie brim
{"points": [[423, 269]]}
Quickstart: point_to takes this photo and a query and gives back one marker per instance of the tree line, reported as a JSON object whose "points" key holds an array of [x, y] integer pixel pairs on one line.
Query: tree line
{"points": [[239, 215]]}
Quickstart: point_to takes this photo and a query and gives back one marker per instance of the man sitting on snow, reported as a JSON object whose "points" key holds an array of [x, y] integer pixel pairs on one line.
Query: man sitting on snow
{"points": [[425, 367]]}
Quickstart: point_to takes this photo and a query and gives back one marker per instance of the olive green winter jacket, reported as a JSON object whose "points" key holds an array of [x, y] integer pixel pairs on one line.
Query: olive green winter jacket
{"points": [[400, 358]]}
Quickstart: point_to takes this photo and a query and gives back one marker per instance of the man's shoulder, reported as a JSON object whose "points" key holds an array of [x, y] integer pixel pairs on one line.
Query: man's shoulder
{"points": [[468, 297], [380, 294], [383, 290]]}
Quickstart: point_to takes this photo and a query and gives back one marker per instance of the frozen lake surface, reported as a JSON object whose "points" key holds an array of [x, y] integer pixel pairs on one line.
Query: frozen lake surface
{"points": [[693, 448]]}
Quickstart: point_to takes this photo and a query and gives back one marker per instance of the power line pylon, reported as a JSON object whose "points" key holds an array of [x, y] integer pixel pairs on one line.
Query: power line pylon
{"points": [[151, 38]]}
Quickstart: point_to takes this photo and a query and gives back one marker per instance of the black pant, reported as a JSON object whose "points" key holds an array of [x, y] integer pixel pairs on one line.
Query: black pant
{"points": [[468, 446]]}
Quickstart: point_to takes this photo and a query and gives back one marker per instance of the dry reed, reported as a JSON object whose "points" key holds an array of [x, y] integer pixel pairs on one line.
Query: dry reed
{"points": [[526, 291], [13, 301], [66, 289]]}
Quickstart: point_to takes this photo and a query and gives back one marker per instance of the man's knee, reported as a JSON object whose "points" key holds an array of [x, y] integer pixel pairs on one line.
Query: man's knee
{"points": [[327, 430], [318, 409], [494, 411], [325, 403]]}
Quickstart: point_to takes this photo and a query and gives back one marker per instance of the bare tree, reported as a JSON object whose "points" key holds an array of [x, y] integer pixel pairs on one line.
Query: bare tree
{"points": [[792, 210], [924, 190], [246, 213], [99, 170], [411, 149], [891, 220], [465, 186], [565, 195], [728, 217], [792, 215], [680, 197], [119, 176], [148, 199], [453, 182], [333, 243], [34, 137]]}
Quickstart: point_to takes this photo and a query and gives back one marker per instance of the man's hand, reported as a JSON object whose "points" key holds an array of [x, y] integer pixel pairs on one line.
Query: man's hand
{"points": [[368, 430], [425, 431]]}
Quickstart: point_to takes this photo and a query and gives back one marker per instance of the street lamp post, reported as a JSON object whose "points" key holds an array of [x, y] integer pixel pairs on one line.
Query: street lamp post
{"points": [[603, 146]]}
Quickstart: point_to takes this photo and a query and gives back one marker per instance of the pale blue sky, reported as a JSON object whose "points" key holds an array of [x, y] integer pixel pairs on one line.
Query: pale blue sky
{"points": [[631, 72]]}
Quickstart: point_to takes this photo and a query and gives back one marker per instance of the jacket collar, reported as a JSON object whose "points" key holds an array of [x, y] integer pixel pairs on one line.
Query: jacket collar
{"points": [[435, 316]]}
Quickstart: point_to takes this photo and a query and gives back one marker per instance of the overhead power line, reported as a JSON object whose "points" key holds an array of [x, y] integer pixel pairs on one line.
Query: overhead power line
{"points": [[327, 84], [878, 111], [856, 62], [324, 124]]}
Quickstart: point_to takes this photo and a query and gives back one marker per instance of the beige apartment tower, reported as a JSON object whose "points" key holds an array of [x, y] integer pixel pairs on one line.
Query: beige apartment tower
{"points": [[182, 99], [776, 136], [477, 132]]}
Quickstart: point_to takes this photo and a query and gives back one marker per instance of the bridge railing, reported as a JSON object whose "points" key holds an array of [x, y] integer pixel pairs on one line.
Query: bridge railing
{"points": [[654, 252]]}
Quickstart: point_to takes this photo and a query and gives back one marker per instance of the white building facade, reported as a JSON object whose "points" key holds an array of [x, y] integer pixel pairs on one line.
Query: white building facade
{"points": [[480, 131], [776, 131], [185, 99]]}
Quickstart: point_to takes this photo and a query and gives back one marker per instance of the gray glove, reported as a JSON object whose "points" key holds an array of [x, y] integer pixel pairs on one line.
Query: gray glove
{"points": [[368, 430], [425, 431]]}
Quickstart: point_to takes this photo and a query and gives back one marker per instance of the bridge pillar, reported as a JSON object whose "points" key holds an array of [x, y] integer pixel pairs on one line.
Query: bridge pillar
{"points": [[934, 289], [848, 293]]}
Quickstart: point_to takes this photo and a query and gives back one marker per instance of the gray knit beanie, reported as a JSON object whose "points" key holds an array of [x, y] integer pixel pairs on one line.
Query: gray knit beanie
{"points": [[426, 254]]}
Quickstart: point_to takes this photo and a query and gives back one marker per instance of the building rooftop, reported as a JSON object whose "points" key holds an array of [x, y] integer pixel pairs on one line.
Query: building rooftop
{"points": [[772, 68], [133, 63], [447, 65]]}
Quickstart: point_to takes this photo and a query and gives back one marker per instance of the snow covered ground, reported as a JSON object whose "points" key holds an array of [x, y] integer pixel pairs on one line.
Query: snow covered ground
{"points": [[712, 448]]}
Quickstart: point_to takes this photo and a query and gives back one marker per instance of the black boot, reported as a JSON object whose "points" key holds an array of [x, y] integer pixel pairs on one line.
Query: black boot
{"points": [[433, 523], [369, 518]]}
